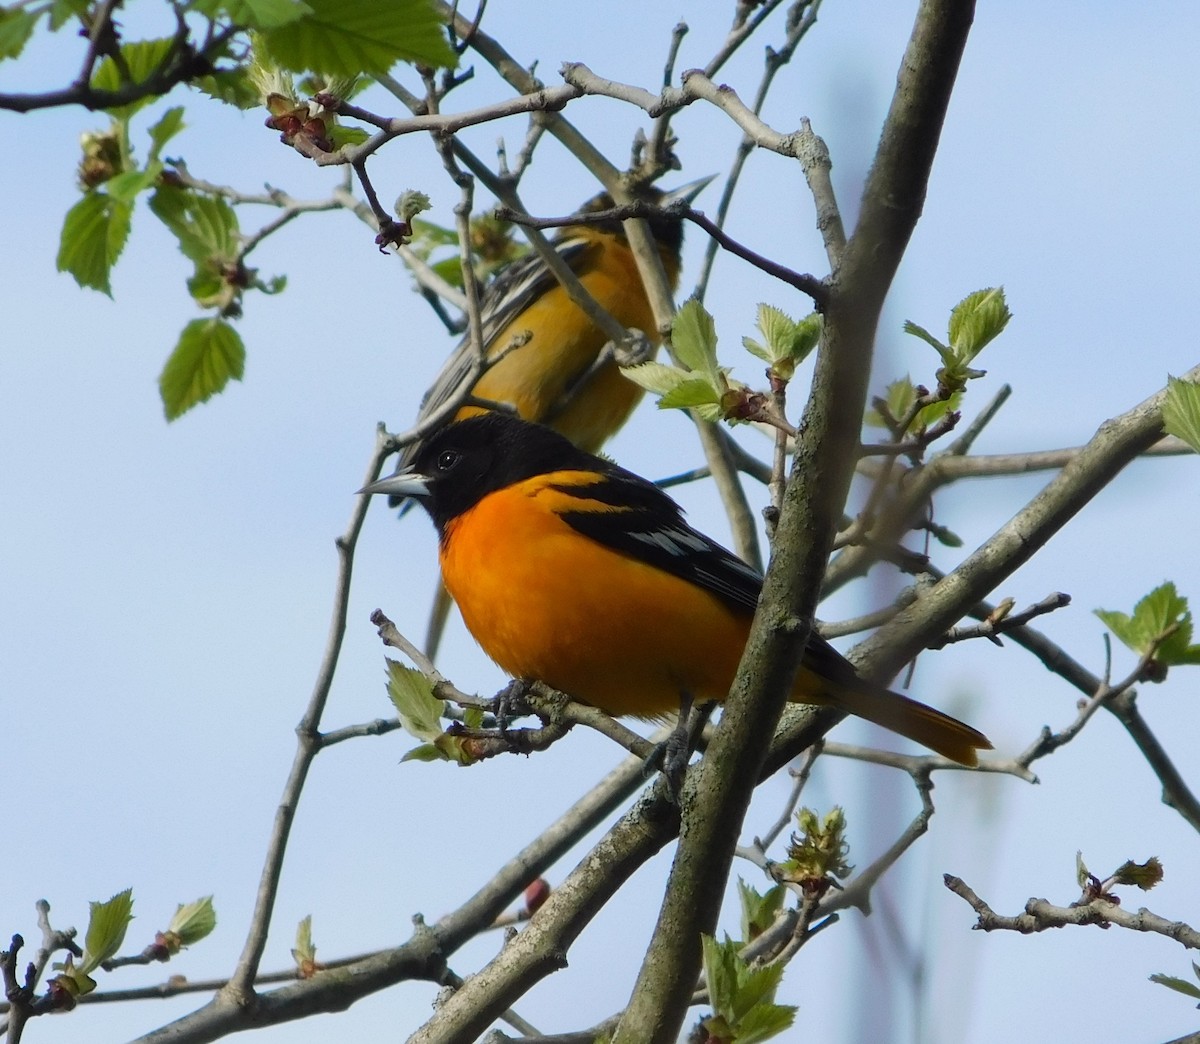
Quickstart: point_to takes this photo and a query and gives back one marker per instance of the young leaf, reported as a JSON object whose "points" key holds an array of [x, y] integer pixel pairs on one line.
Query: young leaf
{"points": [[898, 397], [412, 695], [759, 910], [764, 1022], [787, 341], [206, 227], [255, 14], [208, 355], [93, 235], [693, 394], [1162, 616], [742, 997], [1145, 875], [106, 930], [976, 320], [164, 130], [348, 37], [1188, 989], [141, 59], [1181, 411], [819, 851], [694, 337], [1082, 874], [919, 331], [305, 952], [657, 378], [124, 188], [16, 26], [231, 86], [193, 921]]}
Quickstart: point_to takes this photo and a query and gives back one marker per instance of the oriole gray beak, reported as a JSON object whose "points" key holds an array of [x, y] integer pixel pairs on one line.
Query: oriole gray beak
{"points": [[687, 192], [404, 483]]}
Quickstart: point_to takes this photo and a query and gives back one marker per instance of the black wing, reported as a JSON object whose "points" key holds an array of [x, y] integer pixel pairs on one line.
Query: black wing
{"points": [[649, 525]]}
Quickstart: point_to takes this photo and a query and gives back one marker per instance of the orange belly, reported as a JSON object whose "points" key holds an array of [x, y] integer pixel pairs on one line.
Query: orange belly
{"points": [[549, 613]]}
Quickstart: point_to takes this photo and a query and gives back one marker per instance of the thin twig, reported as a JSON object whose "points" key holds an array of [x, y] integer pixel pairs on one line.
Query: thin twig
{"points": [[1040, 915]]}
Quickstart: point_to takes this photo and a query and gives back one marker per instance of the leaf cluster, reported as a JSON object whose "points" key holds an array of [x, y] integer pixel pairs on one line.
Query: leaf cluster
{"points": [[742, 996], [243, 53], [1160, 628], [817, 855], [976, 321]]}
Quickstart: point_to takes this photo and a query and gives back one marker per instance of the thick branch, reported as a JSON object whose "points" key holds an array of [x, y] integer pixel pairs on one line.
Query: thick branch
{"points": [[719, 790]]}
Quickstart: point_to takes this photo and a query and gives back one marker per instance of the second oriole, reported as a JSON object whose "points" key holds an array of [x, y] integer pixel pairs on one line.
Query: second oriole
{"points": [[575, 572], [552, 378]]}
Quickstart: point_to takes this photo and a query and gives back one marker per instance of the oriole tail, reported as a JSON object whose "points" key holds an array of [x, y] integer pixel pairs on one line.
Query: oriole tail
{"points": [[915, 721]]}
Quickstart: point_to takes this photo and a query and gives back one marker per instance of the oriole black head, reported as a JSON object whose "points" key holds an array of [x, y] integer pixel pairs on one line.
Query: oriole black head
{"points": [[667, 230], [465, 461]]}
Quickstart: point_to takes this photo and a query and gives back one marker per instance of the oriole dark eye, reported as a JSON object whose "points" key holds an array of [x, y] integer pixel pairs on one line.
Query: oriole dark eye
{"points": [[447, 459]]}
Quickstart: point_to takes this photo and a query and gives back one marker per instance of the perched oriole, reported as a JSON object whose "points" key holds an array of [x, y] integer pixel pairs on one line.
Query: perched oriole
{"points": [[542, 377], [573, 571], [556, 376]]}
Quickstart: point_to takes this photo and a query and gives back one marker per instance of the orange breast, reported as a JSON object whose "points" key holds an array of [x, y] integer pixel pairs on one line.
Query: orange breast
{"points": [[601, 626]]}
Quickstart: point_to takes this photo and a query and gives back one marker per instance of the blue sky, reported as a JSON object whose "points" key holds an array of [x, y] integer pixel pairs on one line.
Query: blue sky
{"points": [[167, 588]]}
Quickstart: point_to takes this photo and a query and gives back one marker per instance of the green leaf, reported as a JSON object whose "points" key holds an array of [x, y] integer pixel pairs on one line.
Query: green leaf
{"points": [[787, 341], [1188, 989], [412, 695], [254, 14], [142, 58], [125, 187], [62, 11], [231, 86], [209, 354], [193, 921], [690, 394], [425, 752], [1181, 411], [1163, 610], [742, 997], [93, 235], [756, 986], [106, 930], [1145, 875], [305, 952], [16, 26], [943, 535], [919, 331], [976, 320], [164, 130], [899, 397], [349, 37], [1122, 626], [759, 910], [694, 338], [719, 972], [341, 135], [657, 378], [764, 1022], [206, 227]]}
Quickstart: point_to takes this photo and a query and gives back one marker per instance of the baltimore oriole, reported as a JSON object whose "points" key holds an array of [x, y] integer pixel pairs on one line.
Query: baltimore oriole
{"points": [[556, 376], [541, 378], [573, 571]]}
